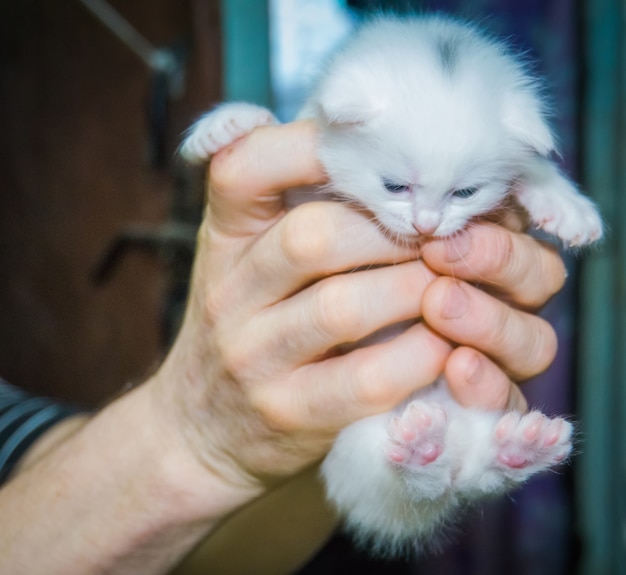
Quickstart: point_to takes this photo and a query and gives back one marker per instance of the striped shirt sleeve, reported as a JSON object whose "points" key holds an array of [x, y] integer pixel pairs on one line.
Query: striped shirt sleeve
{"points": [[23, 419]]}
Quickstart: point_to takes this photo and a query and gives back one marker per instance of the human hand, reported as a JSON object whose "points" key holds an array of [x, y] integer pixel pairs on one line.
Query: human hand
{"points": [[252, 383], [500, 339], [254, 388]]}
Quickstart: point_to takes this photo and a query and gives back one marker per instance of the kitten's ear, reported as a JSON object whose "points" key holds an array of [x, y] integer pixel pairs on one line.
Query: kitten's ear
{"points": [[524, 117], [342, 100]]}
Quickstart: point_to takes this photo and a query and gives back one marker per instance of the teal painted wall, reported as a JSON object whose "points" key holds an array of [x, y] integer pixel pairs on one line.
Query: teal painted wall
{"points": [[601, 489], [246, 51]]}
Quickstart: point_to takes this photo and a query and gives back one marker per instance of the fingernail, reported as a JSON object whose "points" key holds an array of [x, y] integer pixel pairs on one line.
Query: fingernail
{"points": [[456, 304], [457, 246], [475, 371]]}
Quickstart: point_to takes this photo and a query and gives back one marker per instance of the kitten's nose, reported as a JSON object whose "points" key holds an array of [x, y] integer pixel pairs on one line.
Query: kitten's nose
{"points": [[426, 222]]}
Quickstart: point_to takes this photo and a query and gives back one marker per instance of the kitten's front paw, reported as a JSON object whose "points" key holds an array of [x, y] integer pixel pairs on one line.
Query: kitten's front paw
{"points": [[222, 127], [556, 206], [529, 443], [578, 224], [417, 435]]}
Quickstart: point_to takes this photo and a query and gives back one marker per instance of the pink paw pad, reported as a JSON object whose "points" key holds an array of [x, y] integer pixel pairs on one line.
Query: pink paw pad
{"points": [[532, 440], [416, 436]]}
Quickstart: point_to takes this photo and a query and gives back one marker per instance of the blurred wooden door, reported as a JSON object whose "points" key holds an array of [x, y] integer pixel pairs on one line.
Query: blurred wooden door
{"points": [[74, 170]]}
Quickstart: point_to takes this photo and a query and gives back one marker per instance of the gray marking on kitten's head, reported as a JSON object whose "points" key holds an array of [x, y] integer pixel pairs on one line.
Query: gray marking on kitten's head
{"points": [[448, 51]]}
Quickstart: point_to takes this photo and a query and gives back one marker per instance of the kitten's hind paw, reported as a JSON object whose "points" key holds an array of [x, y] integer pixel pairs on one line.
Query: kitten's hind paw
{"points": [[529, 443], [417, 435], [220, 128]]}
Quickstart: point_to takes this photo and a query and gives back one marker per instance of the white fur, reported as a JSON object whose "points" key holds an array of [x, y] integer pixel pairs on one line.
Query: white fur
{"points": [[221, 127], [434, 106], [394, 507]]}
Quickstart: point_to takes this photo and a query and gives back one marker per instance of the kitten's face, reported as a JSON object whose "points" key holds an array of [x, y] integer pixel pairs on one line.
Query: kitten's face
{"points": [[432, 185]]}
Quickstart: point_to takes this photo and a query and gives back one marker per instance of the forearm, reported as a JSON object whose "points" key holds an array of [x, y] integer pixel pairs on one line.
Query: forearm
{"points": [[115, 496], [49, 440], [293, 518]]}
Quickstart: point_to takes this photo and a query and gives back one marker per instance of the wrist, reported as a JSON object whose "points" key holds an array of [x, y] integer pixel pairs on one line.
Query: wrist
{"points": [[208, 419], [120, 495], [184, 489]]}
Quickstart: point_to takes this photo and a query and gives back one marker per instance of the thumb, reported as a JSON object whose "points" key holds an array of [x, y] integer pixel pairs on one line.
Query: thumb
{"points": [[247, 178]]}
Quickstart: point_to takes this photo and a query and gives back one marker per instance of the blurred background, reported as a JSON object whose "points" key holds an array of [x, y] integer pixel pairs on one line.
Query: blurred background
{"points": [[97, 222]]}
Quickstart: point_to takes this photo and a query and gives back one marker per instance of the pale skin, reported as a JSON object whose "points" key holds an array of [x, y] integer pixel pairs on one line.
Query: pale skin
{"points": [[249, 397]]}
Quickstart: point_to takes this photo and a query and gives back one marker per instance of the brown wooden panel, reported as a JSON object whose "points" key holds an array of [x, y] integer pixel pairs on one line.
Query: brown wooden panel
{"points": [[74, 170]]}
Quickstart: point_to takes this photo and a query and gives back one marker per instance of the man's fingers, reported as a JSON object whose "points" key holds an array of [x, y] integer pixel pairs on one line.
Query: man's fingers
{"points": [[312, 241], [339, 310], [522, 343], [526, 271], [475, 381], [366, 381], [247, 178]]}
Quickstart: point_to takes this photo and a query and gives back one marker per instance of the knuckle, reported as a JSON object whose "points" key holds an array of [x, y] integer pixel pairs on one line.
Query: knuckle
{"points": [[543, 276], [501, 331], [227, 334], [336, 307], [225, 171], [555, 270], [235, 358], [308, 236], [372, 391], [502, 255], [274, 410], [531, 346], [545, 345], [217, 303], [223, 327], [212, 308]]}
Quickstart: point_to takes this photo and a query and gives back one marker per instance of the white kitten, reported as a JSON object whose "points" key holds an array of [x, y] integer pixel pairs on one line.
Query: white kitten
{"points": [[428, 123]]}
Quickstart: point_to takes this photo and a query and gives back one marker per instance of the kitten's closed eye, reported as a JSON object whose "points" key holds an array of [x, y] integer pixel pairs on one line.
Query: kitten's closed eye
{"points": [[464, 193], [395, 187]]}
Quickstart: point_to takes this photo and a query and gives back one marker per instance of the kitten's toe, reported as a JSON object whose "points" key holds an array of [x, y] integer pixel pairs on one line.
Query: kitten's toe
{"points": [[222, 127], [577, 224], [198, 148], [416, 437]]}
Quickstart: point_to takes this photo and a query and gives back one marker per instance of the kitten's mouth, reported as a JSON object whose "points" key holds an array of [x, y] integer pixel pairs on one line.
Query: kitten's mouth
{"points": [[406, 239]]}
